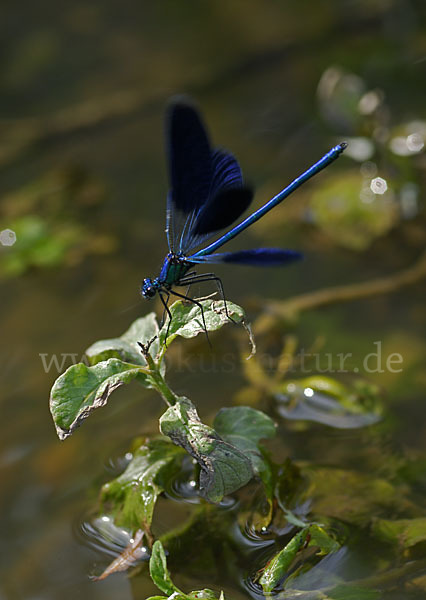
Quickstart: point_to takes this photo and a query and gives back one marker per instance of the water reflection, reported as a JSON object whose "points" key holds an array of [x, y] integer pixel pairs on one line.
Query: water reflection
{"points": [[183, 487], [102, 535], [303, 403], [327, 573]]}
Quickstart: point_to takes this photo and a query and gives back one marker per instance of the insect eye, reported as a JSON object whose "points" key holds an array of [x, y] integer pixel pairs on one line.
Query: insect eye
{"points": [[148, 289]]}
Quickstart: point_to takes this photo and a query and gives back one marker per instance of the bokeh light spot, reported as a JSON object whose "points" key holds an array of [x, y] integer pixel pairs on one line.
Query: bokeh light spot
{"points": [[7, 237], [378, 185]]}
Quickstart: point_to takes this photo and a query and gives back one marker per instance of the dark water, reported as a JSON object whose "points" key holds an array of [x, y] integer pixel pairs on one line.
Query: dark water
{"points": [[254, 68]]}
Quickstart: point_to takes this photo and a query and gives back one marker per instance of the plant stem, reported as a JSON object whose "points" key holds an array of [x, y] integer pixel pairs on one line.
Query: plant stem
{"points": [[290, 309], [159, 382]]}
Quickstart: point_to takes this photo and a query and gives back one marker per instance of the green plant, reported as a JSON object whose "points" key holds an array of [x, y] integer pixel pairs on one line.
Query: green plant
{"points": [[311, 511]]}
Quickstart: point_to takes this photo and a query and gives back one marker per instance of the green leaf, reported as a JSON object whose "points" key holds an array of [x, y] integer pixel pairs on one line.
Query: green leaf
{"points": [[126, 346], [243, 427], [319, 537], [82, 389], [405, 532], [159, 572], [187, 321], [224, 468], [161, 577], [131, 497], [278, 566]]}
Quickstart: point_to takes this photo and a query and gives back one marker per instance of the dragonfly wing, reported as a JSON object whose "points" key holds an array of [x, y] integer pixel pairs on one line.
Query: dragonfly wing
{"points": [[258, 257], [228, 206], [228, 199], [190, 157], [190, 168], [170, 223], [207, 192], [226, 172]]}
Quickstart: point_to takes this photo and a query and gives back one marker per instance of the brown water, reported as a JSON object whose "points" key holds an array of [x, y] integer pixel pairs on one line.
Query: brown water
{"points": [[254, 69]]}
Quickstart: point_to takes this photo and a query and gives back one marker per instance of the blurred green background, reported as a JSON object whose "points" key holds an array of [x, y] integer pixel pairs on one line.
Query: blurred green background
{"points": [[83, 186]]}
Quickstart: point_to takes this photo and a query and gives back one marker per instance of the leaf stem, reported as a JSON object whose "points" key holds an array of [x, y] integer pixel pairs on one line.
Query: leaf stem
{"points": [[157, 380], [159, 383]]}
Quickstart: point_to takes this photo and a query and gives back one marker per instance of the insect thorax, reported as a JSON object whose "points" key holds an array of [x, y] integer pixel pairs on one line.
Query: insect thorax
{"points": [[175, 267]]}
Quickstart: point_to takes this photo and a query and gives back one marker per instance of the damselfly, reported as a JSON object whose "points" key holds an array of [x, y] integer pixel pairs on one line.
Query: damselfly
{"points": [[207, 194]]}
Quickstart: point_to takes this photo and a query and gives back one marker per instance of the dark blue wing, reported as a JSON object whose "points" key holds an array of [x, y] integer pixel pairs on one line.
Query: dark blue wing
{"points": [[207, 192], [258, 257], [226, 172], [190, 157], [190, 169], [228, 198]]}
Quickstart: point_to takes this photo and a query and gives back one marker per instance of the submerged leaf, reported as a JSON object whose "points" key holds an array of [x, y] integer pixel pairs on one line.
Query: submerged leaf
{"points": [[348, 495], [130, 555], [278, 566], [404, 532], [187, 320], [319, 537], [131, 497], [224, 468], [82, 389], [126, 347], [328, 401]]}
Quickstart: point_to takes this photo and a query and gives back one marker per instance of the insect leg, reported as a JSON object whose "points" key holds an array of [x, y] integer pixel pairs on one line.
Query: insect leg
{"points": [[189, 275], [199, 306], [201, 278], [166, 311]]}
